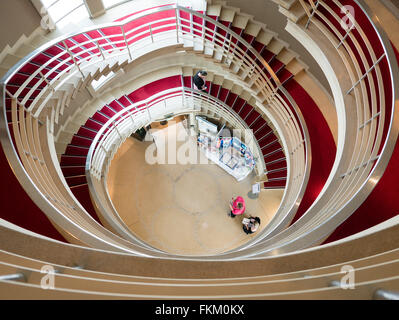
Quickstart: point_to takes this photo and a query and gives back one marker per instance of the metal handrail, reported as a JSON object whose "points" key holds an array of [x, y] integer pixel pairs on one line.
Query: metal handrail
{"points": [[43, 48], [113, 125], [285, 212], [382, 161], [69, 50], [161, 96], [15, 68], [322, 228]]}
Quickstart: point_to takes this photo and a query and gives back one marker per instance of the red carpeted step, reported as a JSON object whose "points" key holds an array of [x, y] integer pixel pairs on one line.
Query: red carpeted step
{"points": [[276, 165], [237, 30], [76, 180], [275, 184], [257, 124], [209, 85], [198, 23], [276, 174], [274, 155], [222, 32], [20, 99], [8, 103], [69, 160], [18, 208], [187, 82], [93, 124], [57, 49], [210, 28], [24, 93], [231, 99], [250, 39], [81, 141], [116, 106], [262, 131], [106, 110], [19, 78], [269, 137], [13, 89], [234, 40], [267, 55], [100, 117], [99, 37], [82, 194], [76, 150], [279, 71], [43, 59], [223, 93], [124, 101], [30, 68], [270, 147], [155, 87], [285, 76], [77, 49], [114, 35], [73, 170], [245, 109], [86, 43], [251, 117], [185, 22], [214, 90], [276, 65], [258, 46], [87, 133]]}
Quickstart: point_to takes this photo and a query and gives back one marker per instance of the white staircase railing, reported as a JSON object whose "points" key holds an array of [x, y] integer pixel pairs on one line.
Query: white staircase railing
{"points": [[79, 61]]}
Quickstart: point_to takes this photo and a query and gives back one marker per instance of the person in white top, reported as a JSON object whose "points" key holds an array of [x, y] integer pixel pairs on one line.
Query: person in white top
{"points": [[250, 224]]}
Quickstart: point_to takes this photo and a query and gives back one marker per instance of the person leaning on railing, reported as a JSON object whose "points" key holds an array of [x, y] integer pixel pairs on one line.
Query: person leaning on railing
{"points": [[199, 80]]}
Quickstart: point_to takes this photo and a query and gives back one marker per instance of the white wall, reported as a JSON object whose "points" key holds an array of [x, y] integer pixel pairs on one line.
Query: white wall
{"points": [[266, 11], [17, 17]]}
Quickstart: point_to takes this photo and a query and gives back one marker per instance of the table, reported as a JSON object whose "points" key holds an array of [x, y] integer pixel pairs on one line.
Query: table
{"points": [[229, 153]]}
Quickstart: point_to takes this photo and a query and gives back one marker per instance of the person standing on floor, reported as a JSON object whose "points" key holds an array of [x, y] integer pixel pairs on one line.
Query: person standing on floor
{"points": [[250, 224], [199, 80], [237, 206]]}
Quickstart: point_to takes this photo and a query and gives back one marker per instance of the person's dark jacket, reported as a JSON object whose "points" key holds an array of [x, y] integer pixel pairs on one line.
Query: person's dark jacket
{"points": [[198, 81]]}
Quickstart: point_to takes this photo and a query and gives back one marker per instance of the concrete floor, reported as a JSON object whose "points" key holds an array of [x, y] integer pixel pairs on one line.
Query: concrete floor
{"points": [[182, 208]]}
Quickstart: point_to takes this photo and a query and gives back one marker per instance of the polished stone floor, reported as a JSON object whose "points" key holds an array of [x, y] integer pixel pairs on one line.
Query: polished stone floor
{"points": [[181, 208]]}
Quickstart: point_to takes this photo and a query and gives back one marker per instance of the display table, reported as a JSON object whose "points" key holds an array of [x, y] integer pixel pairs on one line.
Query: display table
{"points": [[230, 153]]}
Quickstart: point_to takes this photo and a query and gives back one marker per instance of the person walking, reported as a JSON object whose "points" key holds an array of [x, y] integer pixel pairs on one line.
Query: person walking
{"points": [[237, 206], [199, 80]]}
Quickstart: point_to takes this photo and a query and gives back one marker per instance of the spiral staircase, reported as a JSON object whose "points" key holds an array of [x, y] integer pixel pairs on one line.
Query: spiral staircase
{"points": [[334, 155]]}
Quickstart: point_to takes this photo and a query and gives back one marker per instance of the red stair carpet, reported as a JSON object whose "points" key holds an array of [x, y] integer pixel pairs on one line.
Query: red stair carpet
{"points": [[18, 208], [381, 205], [321, 141]]}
